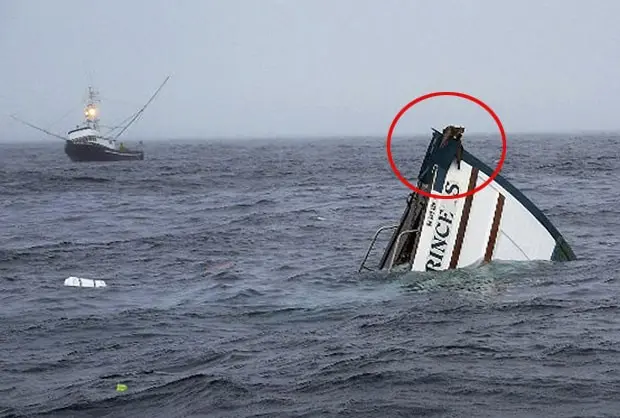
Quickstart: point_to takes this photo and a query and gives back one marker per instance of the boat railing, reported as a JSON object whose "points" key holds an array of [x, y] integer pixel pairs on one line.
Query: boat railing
{"points": [[408, 231], [372, 243]]}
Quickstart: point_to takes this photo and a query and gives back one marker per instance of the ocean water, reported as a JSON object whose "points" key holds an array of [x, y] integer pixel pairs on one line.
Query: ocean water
{"points": [[233, 288]]}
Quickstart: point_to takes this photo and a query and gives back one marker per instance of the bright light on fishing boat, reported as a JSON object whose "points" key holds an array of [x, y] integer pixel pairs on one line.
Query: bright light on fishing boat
{"points": [[92, 111]]}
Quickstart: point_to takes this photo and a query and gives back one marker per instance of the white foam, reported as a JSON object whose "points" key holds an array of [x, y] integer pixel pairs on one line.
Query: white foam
{"points": [[79, 282]]}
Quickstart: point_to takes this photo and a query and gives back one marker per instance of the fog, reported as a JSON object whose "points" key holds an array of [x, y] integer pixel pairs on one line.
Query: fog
{"points": [[275, 68]]}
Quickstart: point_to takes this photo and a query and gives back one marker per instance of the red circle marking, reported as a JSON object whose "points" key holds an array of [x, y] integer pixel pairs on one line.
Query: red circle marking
{"points": [[456, 94]]}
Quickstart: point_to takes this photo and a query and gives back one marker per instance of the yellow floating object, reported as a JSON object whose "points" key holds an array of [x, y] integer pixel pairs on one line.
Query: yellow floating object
{"points": [[121, 387]]}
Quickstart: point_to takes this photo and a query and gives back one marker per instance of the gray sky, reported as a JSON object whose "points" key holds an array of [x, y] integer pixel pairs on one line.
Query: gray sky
{"points": [[310, 67]]}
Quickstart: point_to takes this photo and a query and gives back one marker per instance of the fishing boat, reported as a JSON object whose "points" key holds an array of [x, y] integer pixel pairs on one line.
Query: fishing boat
{"points": [[87, 143], [496, 223]]}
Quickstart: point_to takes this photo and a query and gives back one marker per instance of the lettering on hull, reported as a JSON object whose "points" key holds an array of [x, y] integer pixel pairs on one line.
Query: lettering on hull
{"points": [[439, 242], [442, 231], [431, 213]]}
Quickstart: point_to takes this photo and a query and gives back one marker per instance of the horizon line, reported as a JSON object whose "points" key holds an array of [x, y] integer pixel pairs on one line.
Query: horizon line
{"points": [[280, 137]]}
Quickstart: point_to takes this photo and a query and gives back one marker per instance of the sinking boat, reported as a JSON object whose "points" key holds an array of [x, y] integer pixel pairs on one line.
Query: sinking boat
{"points": [[496, 223], [87, 143]]}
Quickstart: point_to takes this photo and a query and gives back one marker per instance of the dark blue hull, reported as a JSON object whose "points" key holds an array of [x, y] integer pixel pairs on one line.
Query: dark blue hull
{"points": [[94, 152]]}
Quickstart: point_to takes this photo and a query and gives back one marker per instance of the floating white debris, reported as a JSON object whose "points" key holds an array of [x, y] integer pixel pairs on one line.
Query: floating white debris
{"points": [[79, 282]]}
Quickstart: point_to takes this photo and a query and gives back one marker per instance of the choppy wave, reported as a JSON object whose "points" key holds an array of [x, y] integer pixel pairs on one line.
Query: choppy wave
{"points": [[232, 289]]}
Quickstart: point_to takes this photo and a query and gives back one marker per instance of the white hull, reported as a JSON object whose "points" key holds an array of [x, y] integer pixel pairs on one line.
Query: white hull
{"points": [[490, 225], [91, 136], [496, 223]]}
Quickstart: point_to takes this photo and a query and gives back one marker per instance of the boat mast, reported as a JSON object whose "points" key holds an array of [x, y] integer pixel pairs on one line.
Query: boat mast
{"points": [[91, 112]]}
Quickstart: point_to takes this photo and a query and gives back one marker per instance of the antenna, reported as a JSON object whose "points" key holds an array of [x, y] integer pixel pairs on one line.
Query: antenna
{"points": [[91, 112]]}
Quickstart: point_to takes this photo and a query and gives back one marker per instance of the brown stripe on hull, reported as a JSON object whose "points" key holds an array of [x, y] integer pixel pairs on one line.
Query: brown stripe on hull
{"points": [[494, 228], [456, 253]]}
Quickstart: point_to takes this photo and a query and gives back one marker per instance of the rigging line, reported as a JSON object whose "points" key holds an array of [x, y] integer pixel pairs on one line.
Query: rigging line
{"points": [[65, 115], [120, 124], [37, 128], [143, 108], [108, 99]]}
